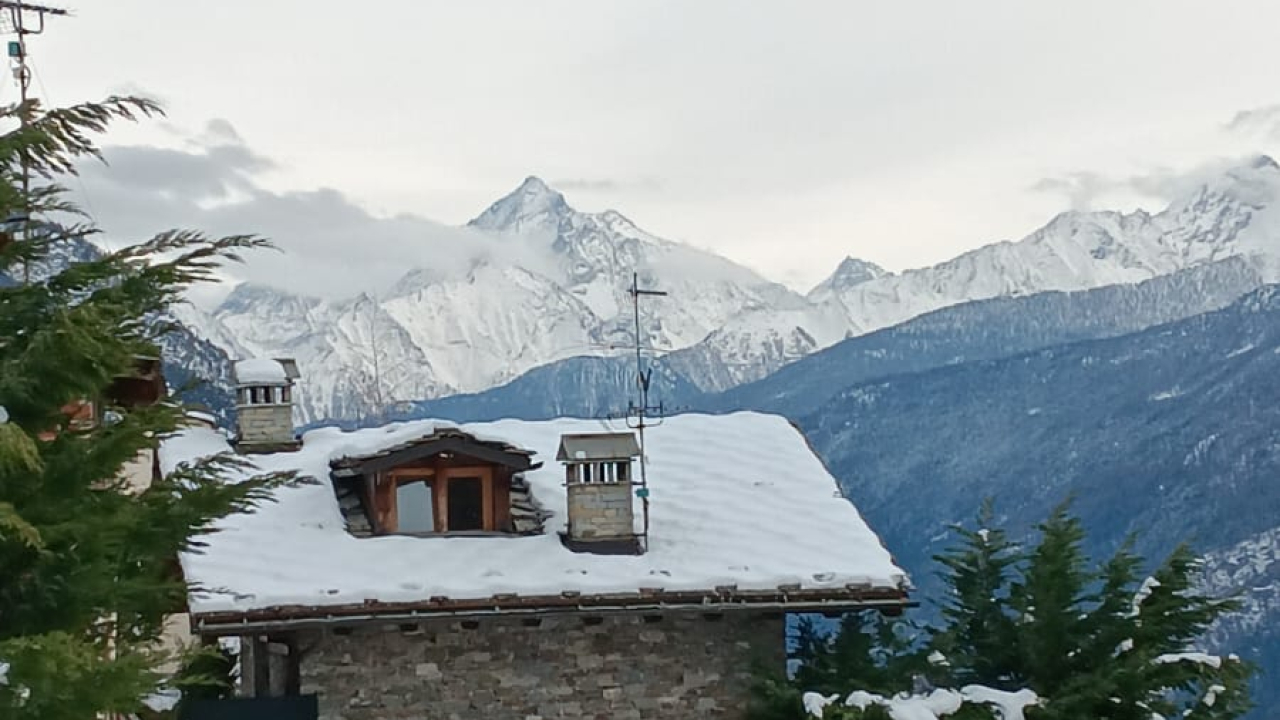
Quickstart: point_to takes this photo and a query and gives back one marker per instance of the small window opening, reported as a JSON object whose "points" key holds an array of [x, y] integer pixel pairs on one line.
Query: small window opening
{"points": [[414, 507]]}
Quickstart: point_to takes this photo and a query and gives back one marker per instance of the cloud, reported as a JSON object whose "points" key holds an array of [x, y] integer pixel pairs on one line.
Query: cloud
{"points": [[1084, 190], [1257, 122], [331, 246], [1087, 190], [221, 130], [606, 185]]}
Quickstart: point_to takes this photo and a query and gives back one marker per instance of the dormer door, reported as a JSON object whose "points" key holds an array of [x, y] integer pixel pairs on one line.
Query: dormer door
{"points": [[466, 504]]}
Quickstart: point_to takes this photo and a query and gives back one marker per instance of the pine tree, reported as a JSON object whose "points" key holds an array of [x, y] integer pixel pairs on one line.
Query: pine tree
{"points": [[1049, 599], [88, 564], [1091, 642], [978, 644], [865, 650]]}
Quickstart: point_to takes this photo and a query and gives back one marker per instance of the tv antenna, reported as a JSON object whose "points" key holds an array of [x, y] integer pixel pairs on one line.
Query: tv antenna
{"points": [[16, 23], [638, 413]]}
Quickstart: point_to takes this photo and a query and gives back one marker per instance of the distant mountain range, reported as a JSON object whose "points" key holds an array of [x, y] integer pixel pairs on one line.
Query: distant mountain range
{"points": [[1171, 434], [561, 292], [978, 330]]}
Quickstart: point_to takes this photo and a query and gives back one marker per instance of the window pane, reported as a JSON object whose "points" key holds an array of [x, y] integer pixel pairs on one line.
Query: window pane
{"points": [[413, 505]]}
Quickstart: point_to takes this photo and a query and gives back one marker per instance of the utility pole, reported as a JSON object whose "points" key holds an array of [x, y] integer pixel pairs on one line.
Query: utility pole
{"points": [[18, 13], [643, 408]]}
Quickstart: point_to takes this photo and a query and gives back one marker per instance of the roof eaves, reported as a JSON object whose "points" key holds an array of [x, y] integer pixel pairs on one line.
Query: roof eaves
{"points": [[719, 599]]}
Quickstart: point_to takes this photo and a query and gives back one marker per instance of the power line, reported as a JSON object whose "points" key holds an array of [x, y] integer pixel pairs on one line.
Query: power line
{"points": [[84, 189]]}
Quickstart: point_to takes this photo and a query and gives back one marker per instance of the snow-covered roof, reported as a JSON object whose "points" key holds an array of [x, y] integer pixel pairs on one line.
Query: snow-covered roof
{"points": [[736, 501], [260, 371]]}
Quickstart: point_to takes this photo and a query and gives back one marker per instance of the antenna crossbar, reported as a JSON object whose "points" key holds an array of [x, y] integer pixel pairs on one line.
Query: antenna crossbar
{"points": [[29, 7]]}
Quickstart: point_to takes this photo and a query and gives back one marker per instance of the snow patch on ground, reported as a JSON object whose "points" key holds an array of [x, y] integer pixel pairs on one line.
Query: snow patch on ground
{"points": [[937, 704]]}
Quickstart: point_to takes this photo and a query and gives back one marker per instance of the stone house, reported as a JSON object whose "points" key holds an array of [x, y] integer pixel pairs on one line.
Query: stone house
{"points": [[521, 570]]}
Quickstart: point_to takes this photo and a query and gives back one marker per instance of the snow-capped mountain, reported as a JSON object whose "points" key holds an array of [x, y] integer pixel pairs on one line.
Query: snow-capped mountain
{"points": [[1234, 213], [851, 271], [558, 288]]}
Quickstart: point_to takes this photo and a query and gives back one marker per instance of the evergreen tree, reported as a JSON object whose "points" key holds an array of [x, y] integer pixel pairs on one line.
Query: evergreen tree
{"points": [[88, 564], [1090, 642], [977, 643], [1048, 599], [867, 649]]}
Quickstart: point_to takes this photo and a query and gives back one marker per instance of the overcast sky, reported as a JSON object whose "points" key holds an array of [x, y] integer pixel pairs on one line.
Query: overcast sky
{"points": [[784, 135]]}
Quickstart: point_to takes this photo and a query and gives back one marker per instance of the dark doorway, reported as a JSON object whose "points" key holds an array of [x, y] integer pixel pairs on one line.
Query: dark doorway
{"points": [[466, 504], [304, 707]]}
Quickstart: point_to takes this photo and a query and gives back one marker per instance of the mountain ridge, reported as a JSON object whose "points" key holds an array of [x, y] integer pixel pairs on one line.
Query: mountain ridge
{"points": [[561, 292]]}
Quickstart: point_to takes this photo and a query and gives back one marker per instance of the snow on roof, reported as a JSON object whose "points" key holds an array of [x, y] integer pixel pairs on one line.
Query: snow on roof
{"points": [[736, 500], [264, 371], [598, 446]]}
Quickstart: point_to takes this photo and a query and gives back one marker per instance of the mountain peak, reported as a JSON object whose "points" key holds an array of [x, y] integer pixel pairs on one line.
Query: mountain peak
{"points": [[533, 203], [1253, 182], [851, 271], [1264, 162]]}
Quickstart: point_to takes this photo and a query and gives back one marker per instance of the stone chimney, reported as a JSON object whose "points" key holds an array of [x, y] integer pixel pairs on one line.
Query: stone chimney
{"points": [[599, 473], [264, 405]]}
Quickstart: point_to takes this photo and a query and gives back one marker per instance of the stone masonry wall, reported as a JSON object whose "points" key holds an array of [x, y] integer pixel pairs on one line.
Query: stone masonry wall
{"points": [[265, 423], [622, 667], [600, 510]]}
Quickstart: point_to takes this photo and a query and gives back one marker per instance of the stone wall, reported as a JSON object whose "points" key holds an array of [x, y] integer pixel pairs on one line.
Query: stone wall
{"points": [[265, 423], [622, 667], [600, 510]]}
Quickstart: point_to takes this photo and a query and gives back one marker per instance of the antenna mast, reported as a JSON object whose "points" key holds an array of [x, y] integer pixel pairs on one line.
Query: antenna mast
{"points": [[639, 411], [18, 54]]}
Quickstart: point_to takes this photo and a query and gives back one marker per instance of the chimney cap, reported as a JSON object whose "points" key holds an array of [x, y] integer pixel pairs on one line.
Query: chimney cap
{"points": [[594, 447], [265, 371]]}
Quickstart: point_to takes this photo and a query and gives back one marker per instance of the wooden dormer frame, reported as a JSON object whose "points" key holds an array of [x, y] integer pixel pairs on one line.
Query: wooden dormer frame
{"points": [[436, 459], [387, 499]]}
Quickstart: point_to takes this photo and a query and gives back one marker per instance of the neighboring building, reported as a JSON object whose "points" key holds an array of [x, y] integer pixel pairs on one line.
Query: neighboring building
{"points": [[142, 386], [503, 571]]}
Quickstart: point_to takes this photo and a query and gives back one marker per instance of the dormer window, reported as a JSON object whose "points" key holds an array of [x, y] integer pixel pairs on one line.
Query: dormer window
{"points": [[445, 483], [415, 507]]}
